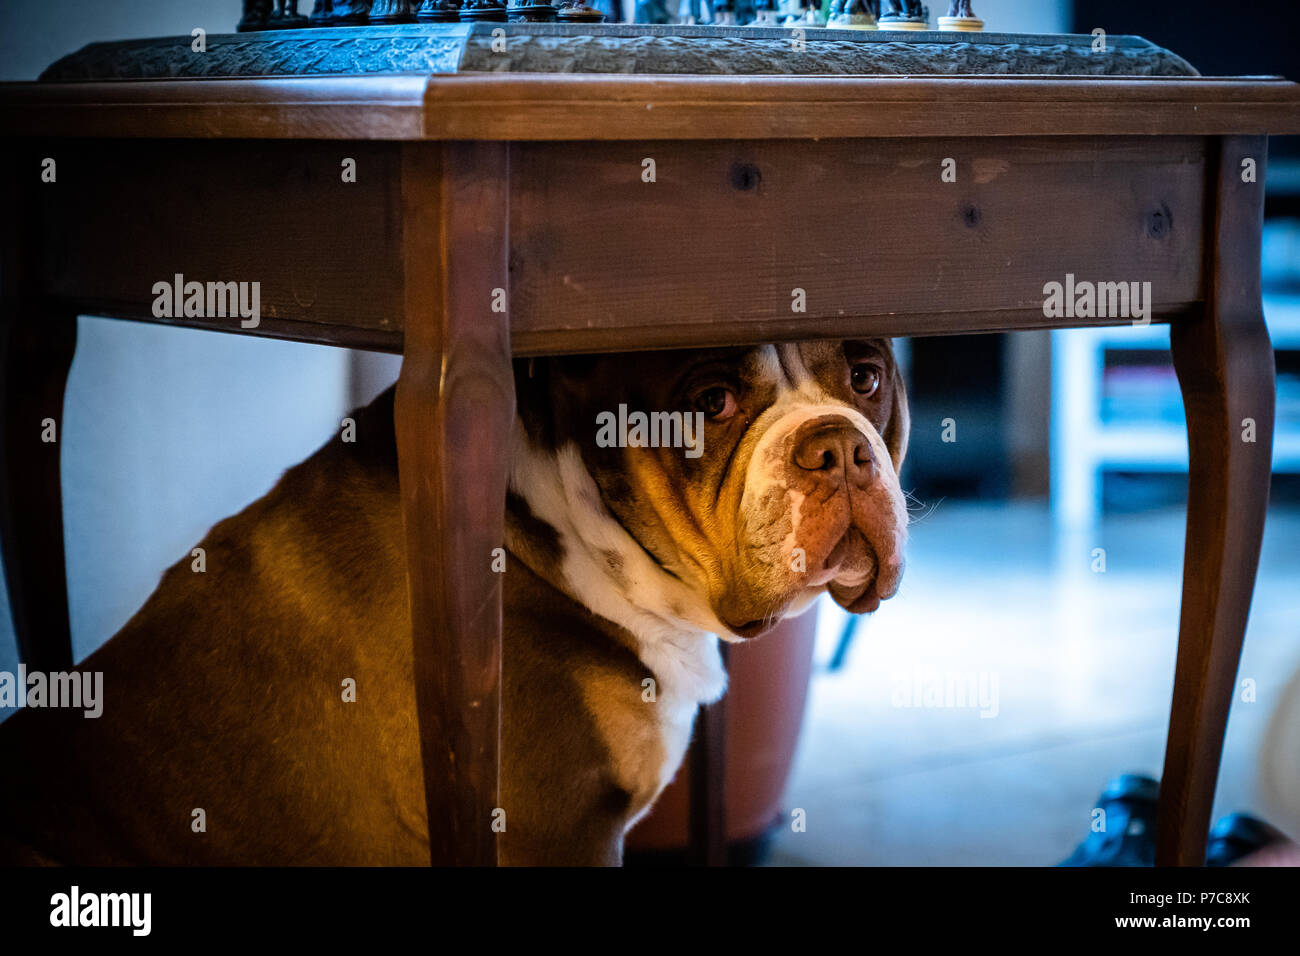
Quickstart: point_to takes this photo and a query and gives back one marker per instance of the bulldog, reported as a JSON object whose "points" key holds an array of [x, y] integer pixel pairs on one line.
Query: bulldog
{"points": [[225, 737]]}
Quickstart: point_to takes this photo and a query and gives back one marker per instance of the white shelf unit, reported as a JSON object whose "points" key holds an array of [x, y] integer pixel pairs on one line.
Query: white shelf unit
{"points": [[1084, 445]]}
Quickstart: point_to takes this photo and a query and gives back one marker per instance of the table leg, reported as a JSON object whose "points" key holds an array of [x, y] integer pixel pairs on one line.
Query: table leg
{"points": [[708, 794], [35, 355], [1225, 369], [454, 412], [36, 347]]}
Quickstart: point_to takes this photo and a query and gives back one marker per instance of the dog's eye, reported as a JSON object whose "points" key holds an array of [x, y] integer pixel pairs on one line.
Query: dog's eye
{"points": [[717, 403], [865, 378]]}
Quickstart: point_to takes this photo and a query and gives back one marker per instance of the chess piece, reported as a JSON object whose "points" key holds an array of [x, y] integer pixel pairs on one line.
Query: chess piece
{"points": [[812, 15], [851, 15], [961, 18], [492, 11], [286, 16], [257, 15], [722, 13], [764, 14], [322, 15], [652, 11], [350, 12], [803, 14], [438, 11], [532, 11], [905, 15], [578, 11], [392, 11]]}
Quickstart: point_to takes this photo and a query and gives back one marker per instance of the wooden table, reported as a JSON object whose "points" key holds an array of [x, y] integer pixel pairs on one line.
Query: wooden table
{"points": [[468, 183]]}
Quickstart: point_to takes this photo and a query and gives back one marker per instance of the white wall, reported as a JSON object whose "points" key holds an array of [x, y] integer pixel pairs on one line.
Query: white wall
{"points": [[35, 33], [1017, 16]]}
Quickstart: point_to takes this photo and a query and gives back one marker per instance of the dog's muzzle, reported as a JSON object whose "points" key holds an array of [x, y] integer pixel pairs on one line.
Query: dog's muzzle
{"points": [[822, 510], [856, 538]]}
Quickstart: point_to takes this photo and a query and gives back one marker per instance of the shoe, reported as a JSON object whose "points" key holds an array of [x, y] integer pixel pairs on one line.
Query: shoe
{"points": [[1129, 837], [1238, 835]]}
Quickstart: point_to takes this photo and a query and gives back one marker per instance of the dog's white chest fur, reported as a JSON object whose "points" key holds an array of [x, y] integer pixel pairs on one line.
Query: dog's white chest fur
{"points": [[688, 672], [667, 621]]}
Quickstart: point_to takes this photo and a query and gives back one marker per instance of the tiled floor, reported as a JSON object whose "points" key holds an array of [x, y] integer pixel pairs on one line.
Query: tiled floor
{"points": [[1083, 663]]}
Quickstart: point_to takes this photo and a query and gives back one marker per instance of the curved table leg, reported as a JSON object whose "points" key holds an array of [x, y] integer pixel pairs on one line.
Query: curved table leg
{"points": [[1225, 369], [36, 348], [707, 835], [454, 412]]}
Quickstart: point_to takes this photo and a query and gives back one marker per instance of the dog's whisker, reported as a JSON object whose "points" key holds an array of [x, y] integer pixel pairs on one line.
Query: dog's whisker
{"points": [[917, 510]]}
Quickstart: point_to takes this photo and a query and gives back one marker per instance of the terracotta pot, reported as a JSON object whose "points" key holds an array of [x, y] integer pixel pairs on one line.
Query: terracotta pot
{"points": [[765, 705]]}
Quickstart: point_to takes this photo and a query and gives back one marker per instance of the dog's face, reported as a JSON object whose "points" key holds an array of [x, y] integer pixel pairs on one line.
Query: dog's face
{"points": [[791, 488]]}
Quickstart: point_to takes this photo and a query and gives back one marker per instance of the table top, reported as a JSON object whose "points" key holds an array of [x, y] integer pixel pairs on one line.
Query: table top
{"points": [[615, 48], [822, 181], [546, 81]]}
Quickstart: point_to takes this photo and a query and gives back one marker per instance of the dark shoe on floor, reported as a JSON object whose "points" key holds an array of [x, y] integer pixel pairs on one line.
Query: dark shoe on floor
{"points": [[1238, 835], [1129, 837]]}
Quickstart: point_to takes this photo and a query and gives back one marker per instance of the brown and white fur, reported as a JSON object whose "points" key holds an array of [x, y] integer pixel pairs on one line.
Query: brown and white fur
{"points": [[223, 693]]}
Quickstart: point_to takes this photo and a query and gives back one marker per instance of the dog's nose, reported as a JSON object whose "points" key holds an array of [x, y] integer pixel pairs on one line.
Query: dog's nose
{"points": [[834, 446]]}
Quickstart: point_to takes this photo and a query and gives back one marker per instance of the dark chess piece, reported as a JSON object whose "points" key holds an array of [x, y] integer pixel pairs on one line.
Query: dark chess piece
{"points": [[578, 11], [257, 15], [438, 11], [851, 15], [392, 11], [351, 12], [961, 18], [722, 12], [322, 15], [905, 15], [532, 11], [286, 16], [652, 11], [491, 11]]}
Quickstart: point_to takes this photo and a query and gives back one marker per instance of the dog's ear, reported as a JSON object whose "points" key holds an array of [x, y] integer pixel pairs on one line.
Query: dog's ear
{"points": [[899, 420], [533, 400], [542, 387]]}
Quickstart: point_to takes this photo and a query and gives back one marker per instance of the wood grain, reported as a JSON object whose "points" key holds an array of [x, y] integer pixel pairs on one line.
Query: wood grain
{"points": [[325, 252], [866, 228], [858, 224], [592, 106], [36, 349], [385, 107], [454, 412], [1225, 369]]}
